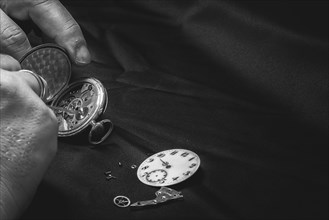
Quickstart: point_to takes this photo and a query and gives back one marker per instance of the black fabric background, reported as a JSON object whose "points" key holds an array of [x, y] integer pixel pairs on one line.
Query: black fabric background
{"points": [[243, 84]]}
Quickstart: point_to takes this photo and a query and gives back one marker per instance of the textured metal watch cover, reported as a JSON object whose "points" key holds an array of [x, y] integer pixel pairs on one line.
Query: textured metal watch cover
{"points": [[52, 63]]}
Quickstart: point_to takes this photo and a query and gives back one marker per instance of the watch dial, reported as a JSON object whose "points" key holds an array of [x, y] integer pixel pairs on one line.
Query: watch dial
{"points": [[156, 176], [168, 167]]}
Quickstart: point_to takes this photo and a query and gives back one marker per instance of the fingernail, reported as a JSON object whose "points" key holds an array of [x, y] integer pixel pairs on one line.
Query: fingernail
{"points": [[82, 55]]}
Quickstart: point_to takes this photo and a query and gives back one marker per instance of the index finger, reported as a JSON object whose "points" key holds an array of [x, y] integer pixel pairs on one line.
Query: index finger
{"points": [[56, 22]]}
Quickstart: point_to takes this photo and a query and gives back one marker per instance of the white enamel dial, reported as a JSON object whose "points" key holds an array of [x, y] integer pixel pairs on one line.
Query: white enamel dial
{"points": [[168, 167]]}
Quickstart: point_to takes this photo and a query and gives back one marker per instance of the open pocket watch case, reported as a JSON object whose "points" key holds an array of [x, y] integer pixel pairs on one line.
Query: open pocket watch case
{"points": [[76, 105]]}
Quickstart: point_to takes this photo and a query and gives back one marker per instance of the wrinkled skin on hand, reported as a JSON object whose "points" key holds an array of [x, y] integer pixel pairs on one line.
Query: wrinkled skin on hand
{"points": [[28, 128], [28, 141]]}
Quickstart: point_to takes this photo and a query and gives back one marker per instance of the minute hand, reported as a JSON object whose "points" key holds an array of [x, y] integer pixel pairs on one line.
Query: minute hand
{"points": [[166, 164]]}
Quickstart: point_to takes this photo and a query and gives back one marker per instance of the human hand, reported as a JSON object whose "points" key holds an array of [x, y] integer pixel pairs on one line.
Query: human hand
{"points": [[53, 20], [28, 139]]}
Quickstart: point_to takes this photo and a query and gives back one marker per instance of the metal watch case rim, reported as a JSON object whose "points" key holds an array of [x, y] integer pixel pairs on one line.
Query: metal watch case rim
{"points": [[101, 104]]}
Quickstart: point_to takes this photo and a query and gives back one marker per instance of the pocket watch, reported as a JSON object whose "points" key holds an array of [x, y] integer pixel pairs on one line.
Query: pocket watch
{"points": [[168, 167], [77, 105]]}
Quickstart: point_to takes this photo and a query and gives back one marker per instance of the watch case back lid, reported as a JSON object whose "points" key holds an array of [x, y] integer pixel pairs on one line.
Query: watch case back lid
{"points": [[51, 62]]}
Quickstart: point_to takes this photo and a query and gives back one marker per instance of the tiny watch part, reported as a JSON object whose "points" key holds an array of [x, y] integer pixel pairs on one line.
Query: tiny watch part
{"points": [[162, 195], [168, 167], [76, 105], [121, 201]]}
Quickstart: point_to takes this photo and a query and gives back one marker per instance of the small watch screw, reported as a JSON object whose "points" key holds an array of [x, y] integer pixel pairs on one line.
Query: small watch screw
{"points": [[108, 172], [110, 177]]}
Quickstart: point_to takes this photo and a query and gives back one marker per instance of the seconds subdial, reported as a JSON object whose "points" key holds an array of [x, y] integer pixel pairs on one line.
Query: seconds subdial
{"points": [[156, 176]]}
